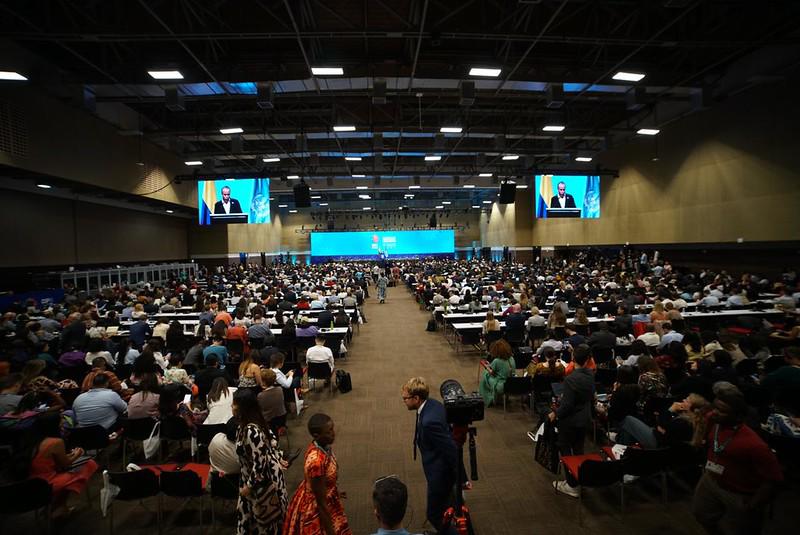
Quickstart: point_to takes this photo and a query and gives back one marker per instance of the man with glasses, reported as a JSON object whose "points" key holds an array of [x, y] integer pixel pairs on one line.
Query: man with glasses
{"points": [[390, 498], [435, 442]]}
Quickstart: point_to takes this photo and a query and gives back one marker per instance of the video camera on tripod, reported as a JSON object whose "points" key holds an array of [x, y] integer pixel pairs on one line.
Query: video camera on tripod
{"points": [[461, 408]]}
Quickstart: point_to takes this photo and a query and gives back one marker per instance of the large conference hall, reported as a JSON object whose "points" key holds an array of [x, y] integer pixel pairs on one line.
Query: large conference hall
{"points": [[400, 267]]}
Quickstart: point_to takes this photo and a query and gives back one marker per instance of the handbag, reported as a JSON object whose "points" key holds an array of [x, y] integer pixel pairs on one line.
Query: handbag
{"points": [[152, 444], [546, 452]]}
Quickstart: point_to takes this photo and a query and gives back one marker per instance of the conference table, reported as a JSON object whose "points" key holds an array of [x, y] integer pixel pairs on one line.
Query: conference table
{"points": [[467, 331]]}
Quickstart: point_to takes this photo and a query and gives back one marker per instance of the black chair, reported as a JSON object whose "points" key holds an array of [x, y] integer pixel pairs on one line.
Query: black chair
{"points": [[515, 337], [523, 357], [182, 484], [25, 496], [135, 430], [647, 463], [603, 356], [174, 429], [537, 334], [491, 337], [222, 487], [581, 329], [303, 343], [205, 433], [518, 386], [92, 438], [286, 344], [319, 371], [591, 472], [235, 347], [133, 487], [606, 377], [256, 343]]}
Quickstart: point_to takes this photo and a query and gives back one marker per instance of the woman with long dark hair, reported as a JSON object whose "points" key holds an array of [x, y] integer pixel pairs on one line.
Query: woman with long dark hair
{"points": [[219, 402], [262, 493]]}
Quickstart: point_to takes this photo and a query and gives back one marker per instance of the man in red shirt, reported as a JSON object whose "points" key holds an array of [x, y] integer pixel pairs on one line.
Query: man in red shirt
{"points": [[740, 472]]}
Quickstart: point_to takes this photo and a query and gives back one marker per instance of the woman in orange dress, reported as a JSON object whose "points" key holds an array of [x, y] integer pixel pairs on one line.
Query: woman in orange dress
{"points": [[316, 507], [52, 462]]}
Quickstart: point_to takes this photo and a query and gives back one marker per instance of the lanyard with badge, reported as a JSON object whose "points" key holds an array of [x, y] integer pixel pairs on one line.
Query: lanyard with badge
{"points": [[718, 449]]}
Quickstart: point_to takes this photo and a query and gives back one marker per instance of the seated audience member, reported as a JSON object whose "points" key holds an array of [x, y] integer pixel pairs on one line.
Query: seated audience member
{"points": [[783, 384], [160, 329], [176, 340], [10, 397], [490, 324], [140, 332], [320, 353], [144, 363], [271, 401], [650, 336], [602, 338], [206, 377], [171, 406], [652, 382], [501, 368], [637, 350], [144, 403], [194, 356], [668, 335], [288, 380], [389, 501], [259, 330], [341, 319], [250, 374], [99, 406], [175, 373], [218, 349], [97, 348], [219, 402], [551, 342], [51, 462], [99, 365], [693, 345], [324, 320], [222, 450], [741, 471], [306, 329], [549, 364], [684, 422], [126, 354], [623, 321], [622, 401]]}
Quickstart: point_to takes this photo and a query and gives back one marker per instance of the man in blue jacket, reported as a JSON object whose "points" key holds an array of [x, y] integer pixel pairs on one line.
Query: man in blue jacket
{"points": [[439, 453]]}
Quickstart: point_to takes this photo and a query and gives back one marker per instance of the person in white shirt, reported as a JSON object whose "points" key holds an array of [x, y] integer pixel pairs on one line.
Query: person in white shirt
{"points": [[320, 353], [650, 337], [455, 299], [222, 450]]}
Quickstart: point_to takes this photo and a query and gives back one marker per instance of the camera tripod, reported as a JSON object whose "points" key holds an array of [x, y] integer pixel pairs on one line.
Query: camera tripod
{"points": [[457, 518]]}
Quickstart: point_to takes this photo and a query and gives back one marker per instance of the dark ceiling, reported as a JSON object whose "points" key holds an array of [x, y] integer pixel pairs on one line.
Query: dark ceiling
{"points": [[423, 50]]}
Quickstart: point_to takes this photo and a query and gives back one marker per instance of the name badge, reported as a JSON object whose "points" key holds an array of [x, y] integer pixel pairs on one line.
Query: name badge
{"points": [[715, 468]]}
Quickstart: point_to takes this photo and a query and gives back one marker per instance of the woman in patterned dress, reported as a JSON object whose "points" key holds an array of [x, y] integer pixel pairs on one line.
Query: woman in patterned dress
{"points": [[262, 493], [316, 507]]}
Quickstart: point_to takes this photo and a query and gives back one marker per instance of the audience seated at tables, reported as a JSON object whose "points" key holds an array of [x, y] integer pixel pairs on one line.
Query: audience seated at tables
{"points": [[305, 328], [144, 403], [99, 367], [99, 405]]}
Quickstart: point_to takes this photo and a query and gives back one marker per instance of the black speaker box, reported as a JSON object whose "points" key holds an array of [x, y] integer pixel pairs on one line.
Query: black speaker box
{"points": [[508, 193], [302, 196]]}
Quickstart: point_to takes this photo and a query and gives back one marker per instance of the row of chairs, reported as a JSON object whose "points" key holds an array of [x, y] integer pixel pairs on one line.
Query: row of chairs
{"points": [[595, 470]]}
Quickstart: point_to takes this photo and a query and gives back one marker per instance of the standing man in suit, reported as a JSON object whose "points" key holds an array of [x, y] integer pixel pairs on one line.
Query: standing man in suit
{"points": [[563, 199], [228, 205], [439, 453]]}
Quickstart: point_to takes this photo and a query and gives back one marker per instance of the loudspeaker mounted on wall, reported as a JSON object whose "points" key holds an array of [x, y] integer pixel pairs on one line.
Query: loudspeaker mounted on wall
{"points": [[302, 195]]}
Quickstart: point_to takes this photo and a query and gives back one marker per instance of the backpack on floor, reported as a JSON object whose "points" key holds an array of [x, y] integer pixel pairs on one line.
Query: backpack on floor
{"points": [[343, 381], [431, 325]]}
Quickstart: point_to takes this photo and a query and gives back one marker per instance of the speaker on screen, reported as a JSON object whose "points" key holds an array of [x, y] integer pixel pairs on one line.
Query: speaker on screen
{"points": [[302, 195], [508, 193]]}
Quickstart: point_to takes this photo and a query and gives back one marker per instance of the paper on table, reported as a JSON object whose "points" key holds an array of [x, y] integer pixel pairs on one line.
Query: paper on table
{"points": [[618, 450]]}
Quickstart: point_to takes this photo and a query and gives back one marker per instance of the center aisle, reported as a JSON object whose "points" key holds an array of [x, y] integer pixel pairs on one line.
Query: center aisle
{"points": [[374, 433]]}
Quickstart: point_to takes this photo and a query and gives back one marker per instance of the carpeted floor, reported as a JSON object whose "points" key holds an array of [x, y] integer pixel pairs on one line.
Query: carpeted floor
{"points": [[513, 494]]}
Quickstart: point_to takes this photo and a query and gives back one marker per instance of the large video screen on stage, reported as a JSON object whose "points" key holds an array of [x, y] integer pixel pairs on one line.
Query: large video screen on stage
{"points": [[243, 200], [567, 196], [374, 244]]}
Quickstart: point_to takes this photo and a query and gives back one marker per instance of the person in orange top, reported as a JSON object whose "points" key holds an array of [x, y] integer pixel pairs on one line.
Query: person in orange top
{"points": [[316, 507], [224, 317], [238, 332]]}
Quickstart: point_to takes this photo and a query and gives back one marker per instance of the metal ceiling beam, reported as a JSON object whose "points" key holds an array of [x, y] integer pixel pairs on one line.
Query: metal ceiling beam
{"points": [[300, 43], [419, 45]]}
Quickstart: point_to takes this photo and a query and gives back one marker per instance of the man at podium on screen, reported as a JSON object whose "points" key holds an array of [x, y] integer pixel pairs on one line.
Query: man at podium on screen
{"points": [[563, 199], [228, 205]]}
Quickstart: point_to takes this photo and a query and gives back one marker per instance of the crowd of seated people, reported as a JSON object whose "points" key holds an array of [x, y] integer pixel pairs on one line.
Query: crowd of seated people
{"points": [[98, 361]]}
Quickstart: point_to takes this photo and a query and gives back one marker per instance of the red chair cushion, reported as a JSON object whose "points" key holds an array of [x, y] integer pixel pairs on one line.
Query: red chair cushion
{"points": [[740, 330], [573, 462]]}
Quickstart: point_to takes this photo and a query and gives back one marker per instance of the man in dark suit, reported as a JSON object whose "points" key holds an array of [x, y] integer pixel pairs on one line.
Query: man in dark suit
{"points": [[435, 442], [227, 205], [563, 199]]}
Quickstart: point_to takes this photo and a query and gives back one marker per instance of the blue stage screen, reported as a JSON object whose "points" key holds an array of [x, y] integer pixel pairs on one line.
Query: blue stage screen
{"points": [[248, 196], [372, 244], [582, 189]]}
